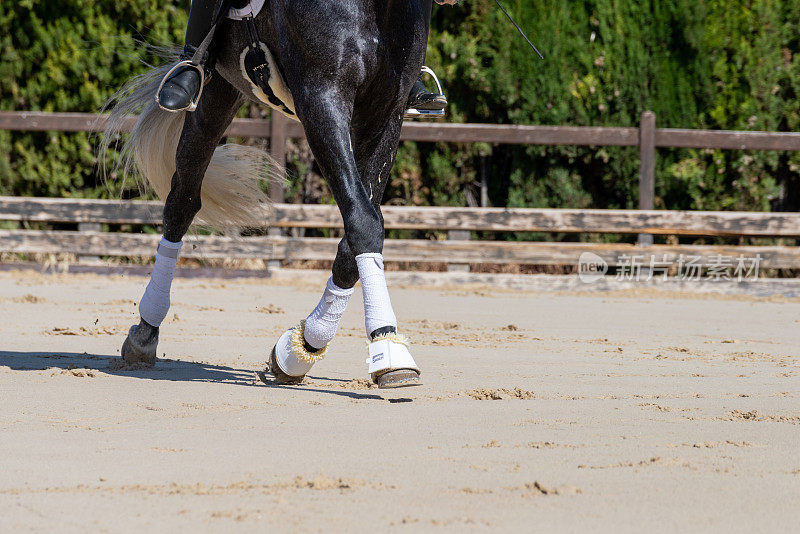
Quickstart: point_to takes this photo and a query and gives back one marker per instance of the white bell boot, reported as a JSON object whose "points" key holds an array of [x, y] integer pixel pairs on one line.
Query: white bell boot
{"points": [[290, 361], [391, 364]]}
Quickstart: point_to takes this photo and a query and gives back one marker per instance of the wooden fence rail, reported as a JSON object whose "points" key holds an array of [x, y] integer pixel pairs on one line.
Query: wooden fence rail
{"points": [[395, 250], [647, 136], [456, 223], [690, 223], [453, 251], [453, 133]]}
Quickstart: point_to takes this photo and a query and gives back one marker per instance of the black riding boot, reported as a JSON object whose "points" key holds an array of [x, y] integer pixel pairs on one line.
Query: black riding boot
{"points": [[182, 86], [421, 98]]}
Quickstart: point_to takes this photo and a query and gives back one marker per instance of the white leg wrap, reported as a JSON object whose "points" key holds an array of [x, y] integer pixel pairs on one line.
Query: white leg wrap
{"points": [[323, 322], [155, 303], [378, 311]]}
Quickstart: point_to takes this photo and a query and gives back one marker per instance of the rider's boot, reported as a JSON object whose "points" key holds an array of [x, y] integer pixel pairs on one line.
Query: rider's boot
{"points": [[180, 90], [421, 99]]}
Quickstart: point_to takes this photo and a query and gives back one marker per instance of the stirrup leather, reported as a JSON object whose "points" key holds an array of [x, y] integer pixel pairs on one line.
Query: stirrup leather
{"points": [[427, 113], [188, 64]]}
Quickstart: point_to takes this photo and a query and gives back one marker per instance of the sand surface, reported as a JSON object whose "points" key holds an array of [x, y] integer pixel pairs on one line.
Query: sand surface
{"points": [[620, 412]]}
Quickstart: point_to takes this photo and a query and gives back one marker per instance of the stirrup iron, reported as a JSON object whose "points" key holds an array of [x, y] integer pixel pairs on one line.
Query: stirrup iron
{"points": [[427, 113], [188, 63]]}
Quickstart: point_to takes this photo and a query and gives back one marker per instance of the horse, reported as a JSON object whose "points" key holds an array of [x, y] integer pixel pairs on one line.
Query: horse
{"points": [[344, 70]]}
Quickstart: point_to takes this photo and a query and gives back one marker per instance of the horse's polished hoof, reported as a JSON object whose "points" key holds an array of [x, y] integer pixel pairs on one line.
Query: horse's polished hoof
{"points": [[402, 378], [141, 345]]}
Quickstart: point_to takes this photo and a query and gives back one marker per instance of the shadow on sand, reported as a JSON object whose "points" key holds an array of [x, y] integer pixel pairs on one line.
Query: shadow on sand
{"points": [[168, 370]]}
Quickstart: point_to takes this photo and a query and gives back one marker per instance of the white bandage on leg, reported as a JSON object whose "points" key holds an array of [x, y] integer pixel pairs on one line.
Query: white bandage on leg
{"points": [[378, 311], [155, 303], [323, 322]]}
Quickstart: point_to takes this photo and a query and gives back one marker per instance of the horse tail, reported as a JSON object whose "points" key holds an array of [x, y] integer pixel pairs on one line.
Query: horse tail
{"points": [[232, 196]]}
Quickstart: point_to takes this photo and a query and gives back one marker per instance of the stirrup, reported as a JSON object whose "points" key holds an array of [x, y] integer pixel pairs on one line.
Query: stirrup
{"points": [[414, 113], [189, 64]]}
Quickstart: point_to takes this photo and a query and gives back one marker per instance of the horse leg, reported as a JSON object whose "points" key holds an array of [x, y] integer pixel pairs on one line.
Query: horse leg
{"points": [[201, 133], [375, 151], [357, 181], [390, 362], [300, 347], [327, 131]]}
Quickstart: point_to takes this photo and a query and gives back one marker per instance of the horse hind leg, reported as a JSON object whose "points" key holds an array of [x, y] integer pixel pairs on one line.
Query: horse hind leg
{"points": [[201, 133]]}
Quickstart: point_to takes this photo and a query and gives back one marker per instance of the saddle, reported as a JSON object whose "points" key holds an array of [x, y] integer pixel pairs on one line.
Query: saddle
{"points": [[261, 69]]}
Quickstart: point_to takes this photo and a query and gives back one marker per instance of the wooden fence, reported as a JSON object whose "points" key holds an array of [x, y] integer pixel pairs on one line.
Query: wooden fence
{"points": [[456, 250], [93, 242]]}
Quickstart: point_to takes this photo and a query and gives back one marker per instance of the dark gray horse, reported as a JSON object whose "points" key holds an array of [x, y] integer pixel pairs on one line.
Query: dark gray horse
{"points": [[344, 69]]}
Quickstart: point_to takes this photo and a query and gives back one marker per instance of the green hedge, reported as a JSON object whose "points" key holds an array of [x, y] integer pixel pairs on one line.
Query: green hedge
{"points": [[703, 64], [70, 56]]}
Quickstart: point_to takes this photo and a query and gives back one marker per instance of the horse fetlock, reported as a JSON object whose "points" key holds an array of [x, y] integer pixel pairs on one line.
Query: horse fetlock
{"points": [[141, 345]]}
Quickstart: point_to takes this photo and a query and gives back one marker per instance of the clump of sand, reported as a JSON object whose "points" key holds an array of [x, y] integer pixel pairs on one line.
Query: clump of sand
{"points": [[501, 394], [83, 331], [754, 415], [71, 371], [28, 299], [323, 482], [360, 383], [745, 416], [536, 488], [270, 309]]}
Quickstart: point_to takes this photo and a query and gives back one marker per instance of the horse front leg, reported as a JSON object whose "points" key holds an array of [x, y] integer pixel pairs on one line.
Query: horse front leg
{"points": [[201, 133], [327, 123], [375, 144]]}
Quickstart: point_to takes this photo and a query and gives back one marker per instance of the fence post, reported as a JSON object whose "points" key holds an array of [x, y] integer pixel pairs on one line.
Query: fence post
{"points": [[647, 168], [89, 227], [277, 149], [458, 235]]}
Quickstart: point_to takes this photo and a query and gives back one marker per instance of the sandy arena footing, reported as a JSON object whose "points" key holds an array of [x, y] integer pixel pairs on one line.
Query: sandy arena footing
{"points": [[617, 411]]}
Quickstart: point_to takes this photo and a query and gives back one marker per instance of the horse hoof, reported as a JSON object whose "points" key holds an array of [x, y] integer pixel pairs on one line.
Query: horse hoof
{"points": [[402, 378], [391, 364], [280, 376], [141, 345], [289, 361]]}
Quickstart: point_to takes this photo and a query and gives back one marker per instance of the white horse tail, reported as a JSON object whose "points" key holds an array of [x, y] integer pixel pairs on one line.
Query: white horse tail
{"points": [[232, 196]]}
